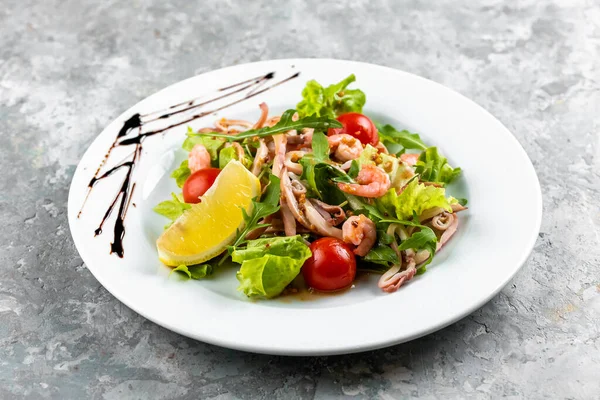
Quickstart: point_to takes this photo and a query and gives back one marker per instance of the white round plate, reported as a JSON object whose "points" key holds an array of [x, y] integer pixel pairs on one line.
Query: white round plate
{"points": [[495, 237]]}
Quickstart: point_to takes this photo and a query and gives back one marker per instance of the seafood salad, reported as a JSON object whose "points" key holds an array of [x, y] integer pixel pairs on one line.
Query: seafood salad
{"points": [[308, 197]]}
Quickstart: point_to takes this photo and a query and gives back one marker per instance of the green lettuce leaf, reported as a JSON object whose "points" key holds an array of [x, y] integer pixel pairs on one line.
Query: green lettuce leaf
{"points": [[226, 154], [172, 209], [198, 271], [343, 100], [331, 101], [415, 198], [269, 265], [182, 173], [313, 99], [433, 167], [212, 144]]}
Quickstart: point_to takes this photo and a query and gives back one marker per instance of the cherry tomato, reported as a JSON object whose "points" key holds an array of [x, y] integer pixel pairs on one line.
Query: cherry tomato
{"points": [[409, 158], [359, 126], [332, 265], [198, 183]]}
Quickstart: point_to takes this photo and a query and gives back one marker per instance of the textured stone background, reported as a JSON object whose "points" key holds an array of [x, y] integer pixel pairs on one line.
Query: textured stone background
{"points": [[67, 68]]}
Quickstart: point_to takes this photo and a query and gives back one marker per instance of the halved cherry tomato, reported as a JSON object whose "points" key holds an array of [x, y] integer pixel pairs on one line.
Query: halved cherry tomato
{"points": [[332, 265], [359, 126], [409, 158], [198, 183]]}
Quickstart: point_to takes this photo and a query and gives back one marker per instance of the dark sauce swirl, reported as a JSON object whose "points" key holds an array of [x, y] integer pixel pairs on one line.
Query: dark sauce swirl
{"points": [[132, 134]]}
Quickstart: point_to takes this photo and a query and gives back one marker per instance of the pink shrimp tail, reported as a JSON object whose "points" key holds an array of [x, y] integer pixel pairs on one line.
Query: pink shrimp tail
{"points": [[198, 158]]}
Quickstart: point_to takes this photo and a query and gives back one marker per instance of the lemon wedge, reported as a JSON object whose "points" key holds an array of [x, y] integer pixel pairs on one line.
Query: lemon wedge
{"points": [[206, 229]]}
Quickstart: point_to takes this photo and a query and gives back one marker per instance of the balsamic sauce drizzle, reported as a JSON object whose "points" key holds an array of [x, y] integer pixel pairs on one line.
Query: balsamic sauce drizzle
{"points": [[254, 87]]}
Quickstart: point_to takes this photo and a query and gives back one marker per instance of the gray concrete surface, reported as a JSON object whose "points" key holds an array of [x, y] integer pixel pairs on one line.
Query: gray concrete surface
{"points": [[67, 68]]}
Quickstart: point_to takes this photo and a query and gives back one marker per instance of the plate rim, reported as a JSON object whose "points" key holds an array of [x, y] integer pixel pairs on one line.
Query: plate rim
{"points": [[265, 349]]}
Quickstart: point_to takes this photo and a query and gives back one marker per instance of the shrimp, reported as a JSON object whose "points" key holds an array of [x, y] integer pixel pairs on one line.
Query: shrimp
{"points": [[198, 158], [345, 147], [372, 182], [361, 232], [381, 148], [409, 158]]}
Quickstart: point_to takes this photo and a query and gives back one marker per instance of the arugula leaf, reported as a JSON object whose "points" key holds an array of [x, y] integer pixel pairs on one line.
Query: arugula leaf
{"points": [[198, 271], [384, 238], [172, 209], [308, 172], [182, 173], [321, 178], [415, 198], [424, 239], [420, 240], [326, 177], [284, 125], [208, 140], [433, 167], [389, 134], [331, 101], [382, 254], [269, 265], [272, 193], [360, 206], [320, 147], [415, 223], [269, 205], [354, 169]]}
